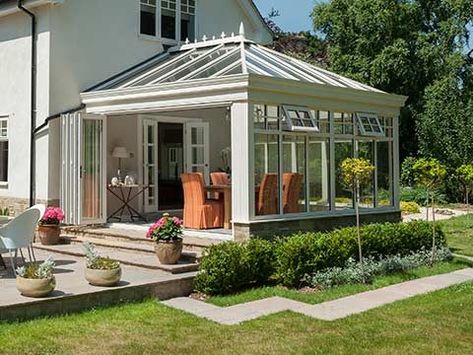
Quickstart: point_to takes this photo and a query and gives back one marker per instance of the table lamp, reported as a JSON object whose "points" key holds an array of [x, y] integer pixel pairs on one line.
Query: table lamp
{"points": [[120, 153]]}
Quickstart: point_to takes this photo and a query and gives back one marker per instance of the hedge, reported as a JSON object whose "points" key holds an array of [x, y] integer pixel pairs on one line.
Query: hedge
{"points": [[231, 266]]}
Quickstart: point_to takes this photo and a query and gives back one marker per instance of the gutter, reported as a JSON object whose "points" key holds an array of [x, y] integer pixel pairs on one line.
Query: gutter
{"points": [[34, 61], [8, 10]]}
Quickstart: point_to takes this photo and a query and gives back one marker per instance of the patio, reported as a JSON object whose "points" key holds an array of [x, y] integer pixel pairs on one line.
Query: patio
{"points": [[74, 294]]}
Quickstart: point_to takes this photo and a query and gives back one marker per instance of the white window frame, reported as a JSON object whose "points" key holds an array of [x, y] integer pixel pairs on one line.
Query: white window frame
{"points": [[5, 138], [373, 121], [158, 36], [299, 110]]}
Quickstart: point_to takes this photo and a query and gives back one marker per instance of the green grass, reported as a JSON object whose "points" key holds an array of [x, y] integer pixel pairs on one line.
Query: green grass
{"points": [[439, 323], [340, 291], [459, 232]]}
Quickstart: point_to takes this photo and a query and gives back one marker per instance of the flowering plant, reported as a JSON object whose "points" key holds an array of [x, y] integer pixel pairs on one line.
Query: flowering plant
{"points": [[52, 215], [37, 271], [167, 229]]}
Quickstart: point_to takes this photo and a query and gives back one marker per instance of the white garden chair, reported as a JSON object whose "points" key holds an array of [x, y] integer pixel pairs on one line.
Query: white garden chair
{"points": [[19, 233]]}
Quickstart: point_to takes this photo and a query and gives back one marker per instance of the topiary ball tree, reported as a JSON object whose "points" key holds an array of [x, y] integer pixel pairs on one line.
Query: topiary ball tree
{"points": [[465, 175], [430, 174], [356, 172]]}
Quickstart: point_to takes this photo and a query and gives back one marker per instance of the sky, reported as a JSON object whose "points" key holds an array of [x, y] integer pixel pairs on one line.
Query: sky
{"points": [[294, 13]]}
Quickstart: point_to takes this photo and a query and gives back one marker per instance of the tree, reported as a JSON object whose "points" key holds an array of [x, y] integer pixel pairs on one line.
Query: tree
{"points": [[429, 173], [399, 46], [357, 172], [465, 176]]}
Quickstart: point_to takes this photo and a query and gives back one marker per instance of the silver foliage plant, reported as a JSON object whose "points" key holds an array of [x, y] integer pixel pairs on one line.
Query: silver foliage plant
{"points": [[353, 273], [91, 254], [41, 271]]}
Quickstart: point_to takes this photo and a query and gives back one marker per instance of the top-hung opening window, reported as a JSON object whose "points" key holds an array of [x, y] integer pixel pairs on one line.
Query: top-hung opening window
{"points": [[300, 119], [369, 124]]}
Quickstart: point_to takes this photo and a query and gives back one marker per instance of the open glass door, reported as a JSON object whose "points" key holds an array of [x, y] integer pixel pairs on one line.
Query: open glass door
{"points": [[197, 148], [92, 174], [150, 165]]}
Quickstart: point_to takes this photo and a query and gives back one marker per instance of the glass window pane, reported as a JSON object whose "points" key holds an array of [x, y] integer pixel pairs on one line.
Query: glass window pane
{"points": [[197, 135], [319, 174], [266, 174], [4, 161], [343, 193], [168, 19], [384, 172], [148, 20], [294, 174], [366, 151]]}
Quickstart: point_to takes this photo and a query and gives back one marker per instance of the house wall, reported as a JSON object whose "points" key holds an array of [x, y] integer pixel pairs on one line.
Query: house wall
{"points": [[15, 64]]}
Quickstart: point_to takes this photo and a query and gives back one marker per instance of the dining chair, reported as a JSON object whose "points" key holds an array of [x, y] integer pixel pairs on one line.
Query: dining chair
{"points": [[19, 233], [219, 178], [199, 212], [292, 186], [268, 195]]}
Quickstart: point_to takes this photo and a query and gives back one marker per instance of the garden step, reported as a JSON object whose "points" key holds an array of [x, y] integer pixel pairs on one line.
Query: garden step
{"points": [[137, 237], [148, 248], [128, 257]]}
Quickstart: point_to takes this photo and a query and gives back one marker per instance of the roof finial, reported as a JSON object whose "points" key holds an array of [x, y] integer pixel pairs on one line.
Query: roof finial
{"points": [[204, 38], [223, 35], [233, 34], [242, 29], [187, 40]]}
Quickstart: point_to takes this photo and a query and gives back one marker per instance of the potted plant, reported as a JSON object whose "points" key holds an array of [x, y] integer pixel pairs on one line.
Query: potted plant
{"points": [[167, 233], [100, 271], [36, 280], [49, 226]]}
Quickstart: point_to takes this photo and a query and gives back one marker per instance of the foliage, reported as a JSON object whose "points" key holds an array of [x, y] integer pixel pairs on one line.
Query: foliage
{"points": [[352, 273], [4, 212], [230, 267], [95, 261], [410, 207], [52, 216], [465, 175], [356, 171], [37, 271], [459, 234], [166, 229], [402, 47], [407, 172], [429, 173], [419, 195], [304, 253]]}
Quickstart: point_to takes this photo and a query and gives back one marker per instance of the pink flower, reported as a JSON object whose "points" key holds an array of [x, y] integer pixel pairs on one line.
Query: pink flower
{"points": [[52, 215]]}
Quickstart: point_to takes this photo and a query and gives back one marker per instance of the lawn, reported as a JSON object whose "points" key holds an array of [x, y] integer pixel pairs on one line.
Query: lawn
{"points": [[340, 291], [440, 322], [459, 231]]}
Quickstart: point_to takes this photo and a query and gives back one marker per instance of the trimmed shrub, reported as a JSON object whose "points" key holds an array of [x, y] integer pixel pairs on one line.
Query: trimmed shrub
{"points": [[410, 207], [301, 255], [230, 267]]}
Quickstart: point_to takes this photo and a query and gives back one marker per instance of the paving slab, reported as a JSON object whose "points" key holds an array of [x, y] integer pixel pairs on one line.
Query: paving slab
{"points": [[329, 311], [73, 293]]}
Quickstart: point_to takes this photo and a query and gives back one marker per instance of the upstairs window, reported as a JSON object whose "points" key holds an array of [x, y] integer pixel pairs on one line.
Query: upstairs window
{"points": [[3, 149], [171, 20], [300, 119], [369, 124], [148, 17]]}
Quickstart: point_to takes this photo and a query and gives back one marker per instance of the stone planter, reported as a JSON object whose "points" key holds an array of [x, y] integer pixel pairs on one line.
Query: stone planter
{"points": [[49, 234], [168, 253], [35, 288], [103, 278]]}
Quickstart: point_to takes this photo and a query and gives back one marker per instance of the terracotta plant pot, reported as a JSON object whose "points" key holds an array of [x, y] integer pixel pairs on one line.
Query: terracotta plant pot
{"points": [[168, 253], [49, 234], [35, 288], [103, 278]]}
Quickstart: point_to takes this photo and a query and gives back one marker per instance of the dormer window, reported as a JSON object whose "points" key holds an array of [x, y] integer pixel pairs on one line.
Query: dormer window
{"points": [[170, 20]]}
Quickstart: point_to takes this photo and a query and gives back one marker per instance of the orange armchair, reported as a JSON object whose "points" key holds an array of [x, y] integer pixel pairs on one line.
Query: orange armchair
{"points": [[292, 185], [200, 213], [219, 179], [268, 195]]}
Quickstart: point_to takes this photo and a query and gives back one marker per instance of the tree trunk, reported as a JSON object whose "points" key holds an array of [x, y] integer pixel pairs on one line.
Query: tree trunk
{"points": [[357, 213], [433, 232]]}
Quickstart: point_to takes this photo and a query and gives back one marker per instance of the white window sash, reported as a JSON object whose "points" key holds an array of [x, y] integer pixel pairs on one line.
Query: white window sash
{"points": [[298, 109], [370, 117]]}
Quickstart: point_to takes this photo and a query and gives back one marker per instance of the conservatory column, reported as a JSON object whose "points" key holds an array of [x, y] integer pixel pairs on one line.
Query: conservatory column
{"points": [[396, 162], [242, 141]]}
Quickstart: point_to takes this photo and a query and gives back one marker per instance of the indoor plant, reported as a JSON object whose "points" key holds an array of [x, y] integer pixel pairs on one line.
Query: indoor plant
{"points": [[36, 280], [48, 227], [167, 233], [100, 271]]}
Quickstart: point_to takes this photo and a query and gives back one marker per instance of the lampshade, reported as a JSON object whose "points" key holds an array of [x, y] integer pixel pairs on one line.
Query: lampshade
{"points": [[120, 152]]}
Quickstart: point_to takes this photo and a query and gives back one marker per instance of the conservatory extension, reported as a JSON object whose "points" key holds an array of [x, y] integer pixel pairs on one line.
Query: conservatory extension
{"points": [[278, 126]]}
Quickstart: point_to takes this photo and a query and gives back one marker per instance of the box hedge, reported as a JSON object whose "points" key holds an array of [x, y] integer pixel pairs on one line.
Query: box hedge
{"points": [[230, 267]]}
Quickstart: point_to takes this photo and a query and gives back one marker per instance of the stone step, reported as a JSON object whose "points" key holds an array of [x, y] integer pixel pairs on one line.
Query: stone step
{"points": [[128, 257], [135, 236], [148, 248]]}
